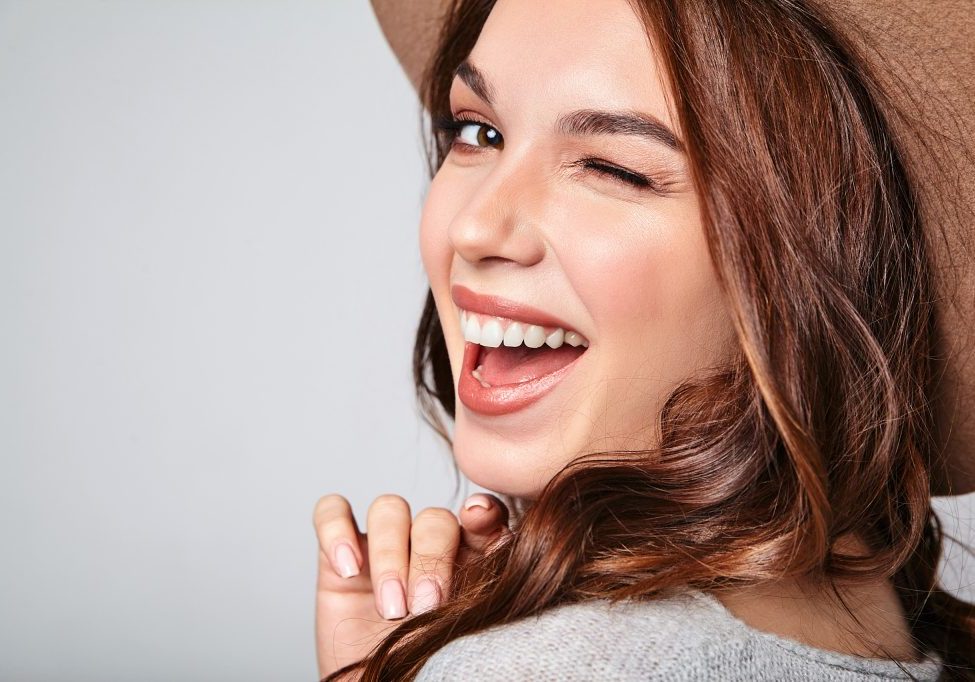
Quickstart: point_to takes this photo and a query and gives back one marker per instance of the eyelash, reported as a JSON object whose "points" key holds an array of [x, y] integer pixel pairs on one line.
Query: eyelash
{"points": [[451, 127]]}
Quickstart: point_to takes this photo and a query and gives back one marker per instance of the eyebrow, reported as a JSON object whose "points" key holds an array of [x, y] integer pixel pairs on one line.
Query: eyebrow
{"points": [[584, 122]]}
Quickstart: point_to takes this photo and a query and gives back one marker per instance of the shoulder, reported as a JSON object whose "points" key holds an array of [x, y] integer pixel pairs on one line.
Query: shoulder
{"points": [[688, 636], [672, 638]]}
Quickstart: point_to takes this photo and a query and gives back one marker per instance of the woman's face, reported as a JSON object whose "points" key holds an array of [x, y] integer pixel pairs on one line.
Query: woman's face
{"points": [[524, 209]]}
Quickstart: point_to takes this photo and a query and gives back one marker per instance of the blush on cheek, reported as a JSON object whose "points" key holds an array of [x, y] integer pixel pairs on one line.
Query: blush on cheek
{"points": [[430, 247], [439, 209], [633, 307]]}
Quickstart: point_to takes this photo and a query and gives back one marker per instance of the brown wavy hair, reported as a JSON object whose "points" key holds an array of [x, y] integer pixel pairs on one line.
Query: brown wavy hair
{"points": [[822, 424]]}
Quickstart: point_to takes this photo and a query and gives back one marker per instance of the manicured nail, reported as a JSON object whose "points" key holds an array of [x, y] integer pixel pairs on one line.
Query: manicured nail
{"points": [[478, 500], [425, 596], [345, 560], [394, 601]]}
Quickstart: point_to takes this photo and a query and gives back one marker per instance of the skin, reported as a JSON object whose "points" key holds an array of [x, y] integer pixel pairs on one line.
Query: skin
{"points": [[351, 615], [527, 222]]}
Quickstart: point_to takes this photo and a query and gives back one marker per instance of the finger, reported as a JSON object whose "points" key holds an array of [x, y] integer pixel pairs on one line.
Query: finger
{"points": [[388, 526], [434, 539], [338, 535], [483, 519]]}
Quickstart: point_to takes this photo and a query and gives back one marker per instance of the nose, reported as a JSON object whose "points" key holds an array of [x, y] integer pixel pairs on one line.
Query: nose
{"points": [[500, 220]]}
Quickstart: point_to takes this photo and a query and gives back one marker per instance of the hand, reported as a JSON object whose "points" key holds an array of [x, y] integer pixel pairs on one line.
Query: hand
{"points": [[401, 566]]}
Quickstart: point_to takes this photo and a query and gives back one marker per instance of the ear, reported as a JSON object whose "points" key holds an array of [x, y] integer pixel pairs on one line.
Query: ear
{"points": [[411, 28]]}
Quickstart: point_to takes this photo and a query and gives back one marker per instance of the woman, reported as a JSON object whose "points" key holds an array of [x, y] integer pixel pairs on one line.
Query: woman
{"points": [[680, 289]]}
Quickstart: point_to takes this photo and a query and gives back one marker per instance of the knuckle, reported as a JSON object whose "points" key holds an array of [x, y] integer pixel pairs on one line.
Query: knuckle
{"points": [[332, 529], [389, 504], [328, 505], [387, 559], [437, 519], [432, 561]]}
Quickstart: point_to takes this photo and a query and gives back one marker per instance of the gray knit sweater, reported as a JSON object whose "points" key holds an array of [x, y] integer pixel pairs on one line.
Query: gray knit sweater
{"points": [[692, 636]]}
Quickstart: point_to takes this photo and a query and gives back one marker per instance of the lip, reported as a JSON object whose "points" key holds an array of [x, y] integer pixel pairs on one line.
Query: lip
{"points": [[498, 400], [503, 307]]}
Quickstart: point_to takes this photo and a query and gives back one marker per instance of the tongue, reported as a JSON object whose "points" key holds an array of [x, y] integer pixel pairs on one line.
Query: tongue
{"points": [[504, 365]]}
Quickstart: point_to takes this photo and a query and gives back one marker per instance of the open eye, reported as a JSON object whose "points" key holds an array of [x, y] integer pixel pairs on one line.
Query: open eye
{"points": [[469, 132], [472, 134]]}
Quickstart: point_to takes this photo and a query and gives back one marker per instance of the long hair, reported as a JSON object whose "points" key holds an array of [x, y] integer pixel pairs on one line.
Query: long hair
{"points": [[822, 423]]}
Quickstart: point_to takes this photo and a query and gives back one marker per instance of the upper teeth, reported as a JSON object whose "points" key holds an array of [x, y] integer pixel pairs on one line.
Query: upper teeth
{"points": [[491, 331]]}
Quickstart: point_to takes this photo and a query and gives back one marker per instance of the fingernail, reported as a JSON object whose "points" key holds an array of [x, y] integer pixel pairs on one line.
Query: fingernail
{"points": [[394, 601], [425, 596], [481, 501], [345, 560]]}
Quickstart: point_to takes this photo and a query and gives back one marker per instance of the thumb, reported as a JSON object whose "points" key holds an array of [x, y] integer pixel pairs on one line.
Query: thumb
{"points": [[483, 519]]}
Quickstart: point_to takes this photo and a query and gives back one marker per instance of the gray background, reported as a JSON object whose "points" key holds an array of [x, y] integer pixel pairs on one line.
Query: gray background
{"points": [[209, 285]]}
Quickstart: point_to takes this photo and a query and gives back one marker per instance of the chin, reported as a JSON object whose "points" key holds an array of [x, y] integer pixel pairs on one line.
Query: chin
{"points": [[498, 464]]}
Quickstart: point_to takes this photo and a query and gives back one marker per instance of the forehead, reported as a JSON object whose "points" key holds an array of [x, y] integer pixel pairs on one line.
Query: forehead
{"points": [[565, 54]]}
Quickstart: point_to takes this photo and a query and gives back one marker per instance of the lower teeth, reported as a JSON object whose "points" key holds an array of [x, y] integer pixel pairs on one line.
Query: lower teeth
{"points": [[476, 373]]}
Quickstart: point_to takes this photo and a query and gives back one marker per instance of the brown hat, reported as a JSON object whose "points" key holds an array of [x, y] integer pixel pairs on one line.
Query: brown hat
{"points": [[924, 56]]}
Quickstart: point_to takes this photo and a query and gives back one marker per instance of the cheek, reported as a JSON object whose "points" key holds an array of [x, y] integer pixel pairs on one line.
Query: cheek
{"points": [[435, 251], [646, 278], [651, 288]]}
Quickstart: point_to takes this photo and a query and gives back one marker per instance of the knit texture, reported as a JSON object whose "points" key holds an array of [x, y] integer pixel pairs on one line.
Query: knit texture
{"points": [[690, 636]]}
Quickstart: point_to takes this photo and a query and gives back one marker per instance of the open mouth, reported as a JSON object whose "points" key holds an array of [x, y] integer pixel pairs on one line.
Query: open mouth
{"points": [[513, 352], [504, 366], [509, 364]]}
